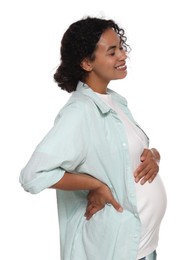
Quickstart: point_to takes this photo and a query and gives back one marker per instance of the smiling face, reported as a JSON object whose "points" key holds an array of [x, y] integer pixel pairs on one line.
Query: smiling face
{"points": [[109, 63]]}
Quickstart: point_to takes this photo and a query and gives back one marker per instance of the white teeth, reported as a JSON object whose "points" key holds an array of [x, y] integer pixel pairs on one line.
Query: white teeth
{"points": [[120, 67]]}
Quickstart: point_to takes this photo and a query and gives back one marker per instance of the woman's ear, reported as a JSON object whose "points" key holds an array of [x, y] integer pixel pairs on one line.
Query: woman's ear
{"points": [[86, 65]]}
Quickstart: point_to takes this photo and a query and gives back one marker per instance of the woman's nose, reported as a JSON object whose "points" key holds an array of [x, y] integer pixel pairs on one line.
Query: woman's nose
{"points": [[123, 55]]}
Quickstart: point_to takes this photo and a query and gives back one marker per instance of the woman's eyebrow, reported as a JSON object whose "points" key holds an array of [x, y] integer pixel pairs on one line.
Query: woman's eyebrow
{"points": [[111, 47]]}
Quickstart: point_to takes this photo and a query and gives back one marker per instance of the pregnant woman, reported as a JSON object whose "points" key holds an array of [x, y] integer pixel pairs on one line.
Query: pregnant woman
{"points": [[110, 199]]}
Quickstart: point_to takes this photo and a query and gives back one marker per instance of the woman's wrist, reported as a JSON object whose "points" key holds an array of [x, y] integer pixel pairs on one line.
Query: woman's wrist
{"points": [[156, 154]]}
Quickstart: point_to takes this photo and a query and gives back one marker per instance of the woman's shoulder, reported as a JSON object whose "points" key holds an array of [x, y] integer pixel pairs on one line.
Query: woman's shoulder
{"points": [[76, 108], [77, 103]]}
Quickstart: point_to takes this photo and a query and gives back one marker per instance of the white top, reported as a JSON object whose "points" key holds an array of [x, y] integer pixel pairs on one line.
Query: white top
{"points": [[151, 197]]}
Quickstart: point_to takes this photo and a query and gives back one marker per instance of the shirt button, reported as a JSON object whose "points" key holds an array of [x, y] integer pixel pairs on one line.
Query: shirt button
{"points": [[124, 144], [136, 214]]}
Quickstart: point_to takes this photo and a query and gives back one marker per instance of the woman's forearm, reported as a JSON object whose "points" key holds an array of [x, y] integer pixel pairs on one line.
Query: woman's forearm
{"points": [[99, 193], [73, 181]]}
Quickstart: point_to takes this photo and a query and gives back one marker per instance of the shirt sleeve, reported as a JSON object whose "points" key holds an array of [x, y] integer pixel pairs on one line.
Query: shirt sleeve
{"points": [[64, 148]]}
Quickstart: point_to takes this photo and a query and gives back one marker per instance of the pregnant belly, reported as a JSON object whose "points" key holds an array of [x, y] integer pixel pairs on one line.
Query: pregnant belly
{"points": [[151, 202]]}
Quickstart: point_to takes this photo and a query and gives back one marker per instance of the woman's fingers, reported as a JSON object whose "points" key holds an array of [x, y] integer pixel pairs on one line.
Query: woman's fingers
{"points": [[98, 198]]}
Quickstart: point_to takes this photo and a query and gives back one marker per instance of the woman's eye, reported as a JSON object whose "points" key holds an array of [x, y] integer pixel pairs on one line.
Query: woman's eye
{"points": [[112, 54]]}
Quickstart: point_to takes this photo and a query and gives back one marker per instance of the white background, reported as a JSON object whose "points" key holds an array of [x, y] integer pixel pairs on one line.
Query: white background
{"points": [[156, 89]]}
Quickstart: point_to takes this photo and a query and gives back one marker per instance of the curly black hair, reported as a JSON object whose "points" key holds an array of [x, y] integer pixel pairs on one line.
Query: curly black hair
{"points": [[79, 42]]}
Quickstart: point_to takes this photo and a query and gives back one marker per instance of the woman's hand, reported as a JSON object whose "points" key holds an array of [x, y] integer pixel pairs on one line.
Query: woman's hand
{"points": [[98, 198], [99, 193], [149, 166]]}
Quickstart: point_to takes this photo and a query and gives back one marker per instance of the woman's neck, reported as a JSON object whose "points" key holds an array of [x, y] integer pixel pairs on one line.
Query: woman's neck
{"points": [[97, 86]]}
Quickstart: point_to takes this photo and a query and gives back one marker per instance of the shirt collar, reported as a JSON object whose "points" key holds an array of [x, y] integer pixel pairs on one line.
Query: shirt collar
{"points": [[86, 90]]}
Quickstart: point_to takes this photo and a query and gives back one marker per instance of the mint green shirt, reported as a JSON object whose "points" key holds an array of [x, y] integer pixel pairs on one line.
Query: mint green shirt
{"points": [[88, 137]]}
